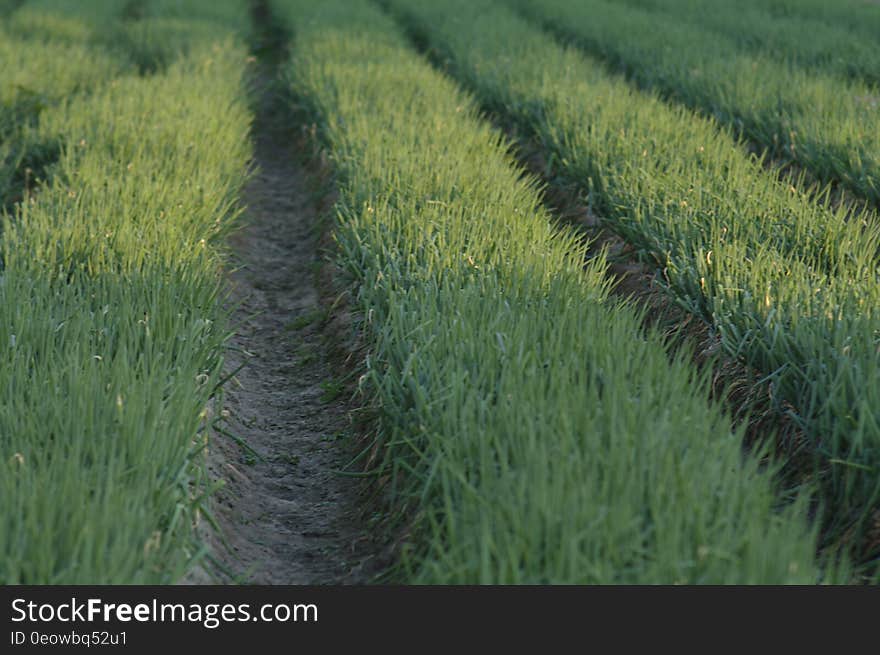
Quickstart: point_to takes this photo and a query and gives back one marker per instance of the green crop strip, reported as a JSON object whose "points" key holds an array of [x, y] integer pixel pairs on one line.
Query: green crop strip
{"points": [[54, 49], [744, 251], [861, 17], [8, 6], [809, 41], [530, 429], [167, 29], [112, 333], [828, 125], [46, 58], [227, 13]]}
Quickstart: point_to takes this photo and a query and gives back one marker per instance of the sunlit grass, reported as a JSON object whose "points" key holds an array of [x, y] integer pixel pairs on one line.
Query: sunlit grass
{"points": [[532, 431], [790, 284], [823, 122], [112, 334]]}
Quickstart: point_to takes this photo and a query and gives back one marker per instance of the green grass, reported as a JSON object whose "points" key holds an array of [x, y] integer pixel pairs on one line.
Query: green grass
{"points": [[46, 58], [861, 17], [226, 13], [93, 13], [808, 40], [112, 338], [826, 124], [170, 27], [8, 6], [765, 265], [532, 431], [54, 50]]}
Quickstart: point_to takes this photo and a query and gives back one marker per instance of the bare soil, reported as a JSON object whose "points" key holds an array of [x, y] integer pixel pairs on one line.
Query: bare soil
{"points": [[287, 516]]}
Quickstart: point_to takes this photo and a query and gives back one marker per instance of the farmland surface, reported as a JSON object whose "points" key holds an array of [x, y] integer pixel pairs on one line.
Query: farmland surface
{"points": [[459, 291]]}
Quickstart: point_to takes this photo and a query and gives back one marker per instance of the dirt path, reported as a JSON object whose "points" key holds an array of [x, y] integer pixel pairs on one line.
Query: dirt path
{"points": [[288, 518]]}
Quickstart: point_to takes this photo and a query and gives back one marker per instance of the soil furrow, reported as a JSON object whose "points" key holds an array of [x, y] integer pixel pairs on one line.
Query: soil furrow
{"points": [[287, 517]]}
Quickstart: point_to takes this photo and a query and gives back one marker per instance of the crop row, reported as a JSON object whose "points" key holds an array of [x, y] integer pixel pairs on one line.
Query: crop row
{"points": [[826, 124], [809, 41], [54, 49], [532, 431], [112, 333], [790, 285], [859, 16], [45, 59]]}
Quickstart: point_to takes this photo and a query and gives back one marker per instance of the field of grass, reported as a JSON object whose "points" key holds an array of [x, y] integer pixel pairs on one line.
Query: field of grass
{"points": [[534, 431], [527, 424], [821, 121], [808, 40], [112, 333], [860, 17], [789, 284], [67, 62]]}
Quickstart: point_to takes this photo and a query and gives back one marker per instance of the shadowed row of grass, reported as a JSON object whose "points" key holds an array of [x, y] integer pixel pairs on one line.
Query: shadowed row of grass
{"points": [[8, 6], [55, 49], [809, 39], [790, 285], [530, 430], [112, 334], [861, 17], [826, 124], [46, 57]]}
